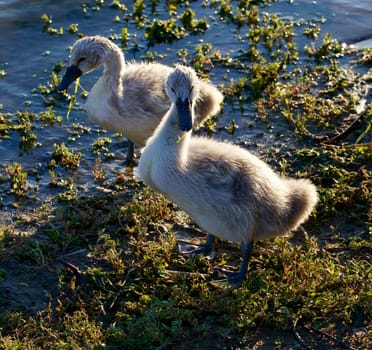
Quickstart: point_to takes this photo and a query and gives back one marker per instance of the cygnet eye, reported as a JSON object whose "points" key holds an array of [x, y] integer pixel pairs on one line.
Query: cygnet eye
{"points": [[81, 59]]}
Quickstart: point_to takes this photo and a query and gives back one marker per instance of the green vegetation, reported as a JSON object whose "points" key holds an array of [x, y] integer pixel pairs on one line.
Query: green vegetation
{"points": [[163, 31], [104, 263], [192, 25], [67, 158], [73, 28], [17, 179]]}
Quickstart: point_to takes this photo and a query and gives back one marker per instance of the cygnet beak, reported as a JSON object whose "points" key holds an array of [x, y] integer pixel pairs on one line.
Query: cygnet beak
{"points": [[72, 73], [184, 114]]}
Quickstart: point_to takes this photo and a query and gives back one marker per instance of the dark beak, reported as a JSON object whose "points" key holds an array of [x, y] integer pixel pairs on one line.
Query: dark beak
{"points": [[72, 73], [184, 109]]}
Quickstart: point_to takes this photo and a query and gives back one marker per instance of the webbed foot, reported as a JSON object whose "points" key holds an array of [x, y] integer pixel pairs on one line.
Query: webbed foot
{"points": [[206, 249], [235, 279], [232, 278]]}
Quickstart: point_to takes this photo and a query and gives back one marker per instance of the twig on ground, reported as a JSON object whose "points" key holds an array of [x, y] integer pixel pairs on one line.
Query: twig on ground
{"points": [[298, 336], [329, 337], [349, 129]]}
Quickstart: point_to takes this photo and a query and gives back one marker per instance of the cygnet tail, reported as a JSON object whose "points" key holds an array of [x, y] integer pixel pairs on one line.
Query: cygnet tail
{"points": [[208, 103], [303, 199]]}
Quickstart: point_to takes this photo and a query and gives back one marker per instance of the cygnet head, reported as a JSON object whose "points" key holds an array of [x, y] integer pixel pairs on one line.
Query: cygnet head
{"points": [[86, 54], [182, 88]]}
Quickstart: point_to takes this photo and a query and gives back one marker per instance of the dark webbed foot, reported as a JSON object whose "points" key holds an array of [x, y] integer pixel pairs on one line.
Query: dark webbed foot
{"points": [[232, 278], [206, 249], [235, 279]]}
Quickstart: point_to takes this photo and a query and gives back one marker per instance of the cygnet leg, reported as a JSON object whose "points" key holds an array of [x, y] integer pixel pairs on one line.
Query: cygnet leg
{"points": [[129, 160], [246, 248], [206, 249], [236, 278]]}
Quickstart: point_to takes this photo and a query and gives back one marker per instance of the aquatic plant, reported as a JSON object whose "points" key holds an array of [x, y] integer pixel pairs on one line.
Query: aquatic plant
{"points": [[73, 28], [17, 178], [47, 26], [5, 124], [49, 117], [330, 49], [25, 128], [47, 21], [124, 37], [101, 146], [203, 58], [98, 174], [192, 25], [64, 156], [138, 13], [312, 31], [366, 57], [163, 31], [116, 4]]}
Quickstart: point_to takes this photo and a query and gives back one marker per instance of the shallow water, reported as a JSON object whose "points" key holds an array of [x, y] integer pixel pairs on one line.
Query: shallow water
{"points": [[28, 55]]}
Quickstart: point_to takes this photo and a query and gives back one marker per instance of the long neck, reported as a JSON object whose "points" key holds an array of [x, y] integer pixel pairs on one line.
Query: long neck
{"points": [[173, 141], [114, 65]]}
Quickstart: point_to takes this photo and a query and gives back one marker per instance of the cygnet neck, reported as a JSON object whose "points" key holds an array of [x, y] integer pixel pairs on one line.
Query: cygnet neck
{"points": [[173, 140], [114, 63]]}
